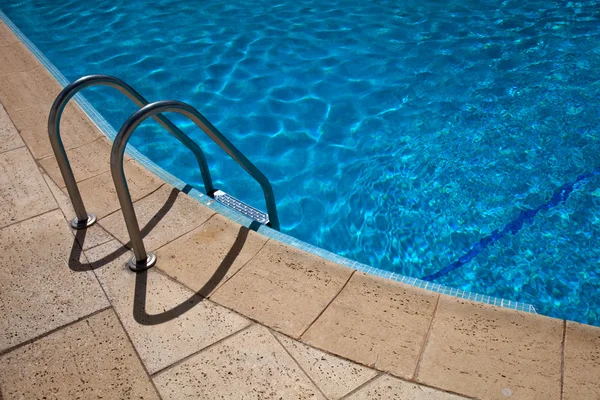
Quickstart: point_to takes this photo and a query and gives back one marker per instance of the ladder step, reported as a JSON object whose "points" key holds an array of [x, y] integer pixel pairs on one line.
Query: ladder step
{"points": [[241, 207]]}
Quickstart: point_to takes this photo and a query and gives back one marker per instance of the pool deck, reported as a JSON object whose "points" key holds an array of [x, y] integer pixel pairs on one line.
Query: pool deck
{"points": [[227, 312]]}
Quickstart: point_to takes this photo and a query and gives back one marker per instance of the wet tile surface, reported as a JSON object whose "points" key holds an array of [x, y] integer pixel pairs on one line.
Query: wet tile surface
{"points": [[249, 365], [38, 290], [376, 322], [23, 192], [335, 376], [91, 359], [582, 362], [9, 136], [387, 387], [165, 320], [283, 287], [492, 353], [226, 247], [162, 216]]}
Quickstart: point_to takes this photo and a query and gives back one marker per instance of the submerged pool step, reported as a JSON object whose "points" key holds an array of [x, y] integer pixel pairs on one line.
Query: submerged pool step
{"points": [[241, 207]]}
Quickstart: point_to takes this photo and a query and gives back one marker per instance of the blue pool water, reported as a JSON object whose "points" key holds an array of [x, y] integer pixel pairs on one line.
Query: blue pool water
{"points": [[456, 141]]}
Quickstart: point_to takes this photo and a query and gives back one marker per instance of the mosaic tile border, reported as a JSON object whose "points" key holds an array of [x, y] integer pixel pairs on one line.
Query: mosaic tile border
{"points": [[110, 132]]}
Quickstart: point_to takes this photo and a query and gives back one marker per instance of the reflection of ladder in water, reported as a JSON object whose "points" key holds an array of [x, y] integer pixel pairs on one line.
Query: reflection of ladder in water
{"points": [[142, 260]]}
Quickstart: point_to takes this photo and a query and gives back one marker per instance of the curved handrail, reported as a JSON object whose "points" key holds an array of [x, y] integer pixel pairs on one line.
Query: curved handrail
{"points": [[82, 219], [141, 259]]}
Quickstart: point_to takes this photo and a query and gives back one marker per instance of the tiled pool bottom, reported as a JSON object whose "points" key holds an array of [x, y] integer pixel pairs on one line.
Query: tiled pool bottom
{"points": [[109, 131]]}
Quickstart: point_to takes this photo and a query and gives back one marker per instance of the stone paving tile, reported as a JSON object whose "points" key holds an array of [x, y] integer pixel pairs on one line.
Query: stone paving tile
{"points": [[9, 136], [493, 353], [283, 287], [36, 87], [206, 257], [38, 290], [86, 161], [6, 36], [91, 359], [387, 387], [249, 365], [76, 128], [99, 192], [169, 212], [16, 58], [376, 322], [335, 377], [87, 238], [582, 362], [23, 192], [165, 320]]}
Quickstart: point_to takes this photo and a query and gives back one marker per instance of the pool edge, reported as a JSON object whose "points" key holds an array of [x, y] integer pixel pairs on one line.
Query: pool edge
{"points": [[110, 132]]}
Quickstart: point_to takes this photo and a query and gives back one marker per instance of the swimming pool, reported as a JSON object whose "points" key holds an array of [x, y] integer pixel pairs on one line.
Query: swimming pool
{"points": [[456, 141]]}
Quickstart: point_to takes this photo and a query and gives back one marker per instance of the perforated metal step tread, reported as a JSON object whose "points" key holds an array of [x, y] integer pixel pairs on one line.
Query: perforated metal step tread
{"points": [[241, 207]]}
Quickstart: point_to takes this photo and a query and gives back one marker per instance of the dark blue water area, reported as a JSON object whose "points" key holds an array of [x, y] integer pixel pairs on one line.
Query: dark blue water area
{"points": [[426, 138]]}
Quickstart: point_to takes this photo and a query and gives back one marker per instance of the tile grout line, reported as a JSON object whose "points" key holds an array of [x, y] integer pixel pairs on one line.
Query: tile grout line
{"points": [[186, 232], [426, 340], [30, 218], [50, 332], [328, 304], [133, 201], [362, 385], [184, 359], [14, 148], [236, 272], [52, 155], [562, 360], [297, 363], [122, 325]]}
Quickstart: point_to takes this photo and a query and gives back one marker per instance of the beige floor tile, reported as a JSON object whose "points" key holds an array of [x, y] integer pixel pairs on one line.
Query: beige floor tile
{"points": [[249, 365], [16, 58], [91, 359], [582, 362], [283, 287], [335, 377], [36, 87], [76, 129], [376, 322], [86, 161], [87, 238], [225, 247], [38, 290], [165, 320], [9, 136], [99, 192], [6, 36], [23, 192], [493, 353], [169, 214], [387, 387]]}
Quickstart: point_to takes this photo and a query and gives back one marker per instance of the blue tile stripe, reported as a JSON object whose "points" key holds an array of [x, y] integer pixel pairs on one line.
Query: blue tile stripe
{"points": [[110, 132]]}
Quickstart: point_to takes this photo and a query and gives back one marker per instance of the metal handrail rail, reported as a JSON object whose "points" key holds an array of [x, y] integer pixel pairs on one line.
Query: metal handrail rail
{"points": [[82, 219], [141, 260]]}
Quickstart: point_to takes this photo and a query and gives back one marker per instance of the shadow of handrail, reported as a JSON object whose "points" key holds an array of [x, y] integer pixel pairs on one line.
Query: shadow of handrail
{"points": [[141, 278], [141, 288], [78, 243]]}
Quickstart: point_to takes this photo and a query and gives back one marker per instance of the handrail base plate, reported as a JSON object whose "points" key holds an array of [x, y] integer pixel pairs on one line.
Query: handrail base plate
{"points": [[136, 266], [77, 224]]}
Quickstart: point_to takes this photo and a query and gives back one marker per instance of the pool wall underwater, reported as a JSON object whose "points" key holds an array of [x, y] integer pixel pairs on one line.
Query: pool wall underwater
{"points": [[110, 132]]}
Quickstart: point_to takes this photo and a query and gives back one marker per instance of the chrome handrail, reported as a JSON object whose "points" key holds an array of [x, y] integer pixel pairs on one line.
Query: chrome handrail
{"points": [[82, 219], [141, 260]]}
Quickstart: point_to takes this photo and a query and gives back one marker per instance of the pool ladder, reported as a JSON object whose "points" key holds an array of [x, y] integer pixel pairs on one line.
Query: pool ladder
{"points": [[141, 259]]}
